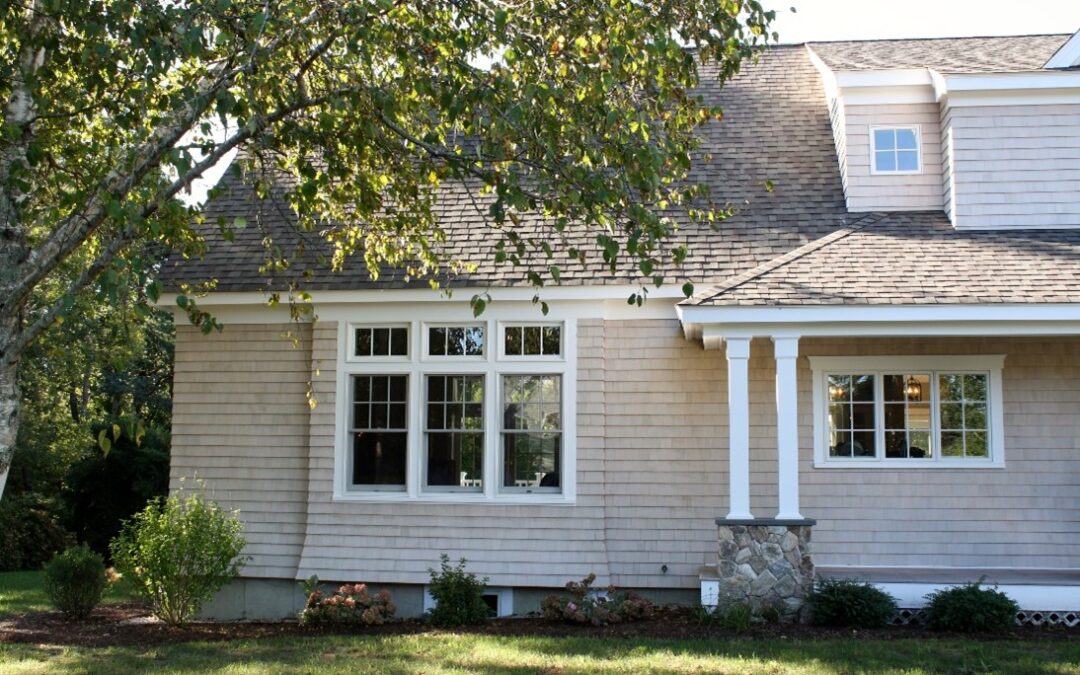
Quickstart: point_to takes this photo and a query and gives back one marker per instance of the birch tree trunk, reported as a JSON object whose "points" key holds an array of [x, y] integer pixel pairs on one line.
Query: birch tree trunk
{"points": [[9, 419]]}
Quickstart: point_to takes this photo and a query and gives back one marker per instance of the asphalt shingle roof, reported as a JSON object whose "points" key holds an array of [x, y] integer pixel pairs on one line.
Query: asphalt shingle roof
{"points": [[913, 259], [947, 55], [797, 245], [775, 128]]}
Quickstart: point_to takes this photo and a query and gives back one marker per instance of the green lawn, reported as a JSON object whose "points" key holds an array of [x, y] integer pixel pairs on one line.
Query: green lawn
{"points": [[441, 653], [444, 653], [22, 592]]}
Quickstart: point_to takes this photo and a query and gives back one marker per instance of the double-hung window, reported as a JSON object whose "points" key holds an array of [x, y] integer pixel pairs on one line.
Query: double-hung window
{"points": [[908, 411], [445, 411]]}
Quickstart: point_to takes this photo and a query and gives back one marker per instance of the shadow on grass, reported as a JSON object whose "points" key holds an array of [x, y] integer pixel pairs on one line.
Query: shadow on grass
{"points": [[451, 653]]}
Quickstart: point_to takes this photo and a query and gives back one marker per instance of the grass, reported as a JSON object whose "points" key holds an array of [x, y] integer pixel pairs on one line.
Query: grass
{"points": [[22, 592], [443, 654]]}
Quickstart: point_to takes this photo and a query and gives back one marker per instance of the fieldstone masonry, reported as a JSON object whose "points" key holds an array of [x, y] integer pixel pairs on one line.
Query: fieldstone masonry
{"points": [[766, 563]]}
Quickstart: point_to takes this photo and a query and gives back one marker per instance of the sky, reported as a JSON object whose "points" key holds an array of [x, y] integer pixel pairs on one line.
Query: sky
{"points": [[868, 19]]}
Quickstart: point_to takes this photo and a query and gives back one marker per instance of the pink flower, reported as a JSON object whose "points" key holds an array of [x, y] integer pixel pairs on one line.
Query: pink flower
{"points": [[360, 588], [350, 603], [384, 595]]}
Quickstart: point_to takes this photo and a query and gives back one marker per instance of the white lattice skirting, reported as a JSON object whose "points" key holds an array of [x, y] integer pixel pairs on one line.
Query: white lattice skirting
{"points": [[1069, 619]]}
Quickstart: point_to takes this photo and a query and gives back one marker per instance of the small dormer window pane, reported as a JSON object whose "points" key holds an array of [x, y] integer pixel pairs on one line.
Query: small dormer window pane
{"points": [[905, 139], [885, 161], [885, 139], [907, 160]]}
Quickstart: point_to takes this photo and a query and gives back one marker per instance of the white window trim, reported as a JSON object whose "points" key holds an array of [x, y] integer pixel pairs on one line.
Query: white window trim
{"points": [[821, 366], [488, 365], [918, 149], [350, 351]]}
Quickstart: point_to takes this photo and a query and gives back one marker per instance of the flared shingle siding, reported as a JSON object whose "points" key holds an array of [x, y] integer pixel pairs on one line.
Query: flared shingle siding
{"points": [[1026, 515], [652, 467], [398, 542], [240, 423]]}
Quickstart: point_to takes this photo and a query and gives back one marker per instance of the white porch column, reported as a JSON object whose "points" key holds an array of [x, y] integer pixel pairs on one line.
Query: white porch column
{"points": [[786, 350], [738, 355]]}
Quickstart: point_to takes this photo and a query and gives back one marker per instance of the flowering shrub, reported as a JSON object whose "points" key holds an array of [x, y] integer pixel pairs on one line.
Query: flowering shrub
{"points": [[352, 603], [584, 606]]}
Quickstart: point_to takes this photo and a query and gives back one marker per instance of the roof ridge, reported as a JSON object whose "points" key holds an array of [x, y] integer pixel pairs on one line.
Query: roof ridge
{"points": [[731, 283], [940, 37]]}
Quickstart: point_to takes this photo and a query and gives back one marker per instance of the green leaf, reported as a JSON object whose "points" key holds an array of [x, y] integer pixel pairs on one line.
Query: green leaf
{"points": [[688, 289], [104, 443]]}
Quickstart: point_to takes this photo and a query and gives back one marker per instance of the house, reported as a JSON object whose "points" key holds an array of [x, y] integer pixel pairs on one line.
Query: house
{"points": [[879, 376]]}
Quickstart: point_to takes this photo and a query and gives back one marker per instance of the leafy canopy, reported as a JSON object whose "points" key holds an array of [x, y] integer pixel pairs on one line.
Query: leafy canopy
{"points": [[580, 115]]}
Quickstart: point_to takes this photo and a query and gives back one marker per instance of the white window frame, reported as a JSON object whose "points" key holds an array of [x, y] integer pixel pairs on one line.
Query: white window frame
{"points": [[350, 352], [501, 337], [425, 341], [917, 129], [492, 365], [991, 364]]}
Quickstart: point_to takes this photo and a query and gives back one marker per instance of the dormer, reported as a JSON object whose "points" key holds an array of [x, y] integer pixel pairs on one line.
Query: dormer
{"points": [[986, 129]]}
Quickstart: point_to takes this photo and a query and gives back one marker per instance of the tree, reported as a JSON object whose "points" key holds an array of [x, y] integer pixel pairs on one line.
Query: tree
{"points": [[581, 113]]}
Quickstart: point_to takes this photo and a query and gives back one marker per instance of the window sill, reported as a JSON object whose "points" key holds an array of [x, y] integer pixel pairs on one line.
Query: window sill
{"points": [[451, 498], [907, 464]]}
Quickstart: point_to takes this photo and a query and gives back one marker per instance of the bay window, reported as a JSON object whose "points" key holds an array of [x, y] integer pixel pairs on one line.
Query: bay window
{"points": [[457, 411], [908, 411]]}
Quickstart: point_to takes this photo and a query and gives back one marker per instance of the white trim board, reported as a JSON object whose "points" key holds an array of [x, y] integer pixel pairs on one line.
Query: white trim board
{"points": [[715, 323], [548, 294], [1029, 597]]}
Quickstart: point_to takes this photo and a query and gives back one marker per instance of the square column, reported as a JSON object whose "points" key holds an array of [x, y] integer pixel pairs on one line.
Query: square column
{"points": [[786, 350], [738, 355]]}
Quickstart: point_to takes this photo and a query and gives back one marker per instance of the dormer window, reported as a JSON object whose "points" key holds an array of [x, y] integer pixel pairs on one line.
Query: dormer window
{"points": [[895, 150]]}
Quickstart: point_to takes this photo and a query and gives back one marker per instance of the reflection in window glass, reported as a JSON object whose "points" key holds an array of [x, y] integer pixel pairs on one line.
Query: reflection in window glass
{"points": [[896, 150], [455, 432], [907, 415], [456, 341], [532, 431], [851, 415], [532, 340], [962, 410], [379, 430], [380, 341]]}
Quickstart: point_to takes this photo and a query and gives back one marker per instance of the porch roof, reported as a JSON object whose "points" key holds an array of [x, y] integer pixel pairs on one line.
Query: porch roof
{"points": [[911, 259]]}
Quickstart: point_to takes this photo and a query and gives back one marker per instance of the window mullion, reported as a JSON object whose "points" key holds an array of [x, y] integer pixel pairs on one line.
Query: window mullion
{"points": [[492, 431], [879, 415]]}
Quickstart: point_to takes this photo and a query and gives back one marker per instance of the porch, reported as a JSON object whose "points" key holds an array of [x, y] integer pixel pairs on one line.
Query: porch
{"points": [[926, 499]]}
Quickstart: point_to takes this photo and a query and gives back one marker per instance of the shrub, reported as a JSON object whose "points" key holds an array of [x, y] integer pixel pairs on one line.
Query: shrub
{"points": [[178, 552], [737, 616], [459, 595], [850, 603], [75, 581], [352, 603], [30, 534], [585, 606], [970, 608]]}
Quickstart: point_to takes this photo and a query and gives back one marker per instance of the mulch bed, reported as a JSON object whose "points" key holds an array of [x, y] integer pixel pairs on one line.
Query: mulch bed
{"points": [[132, 625]]}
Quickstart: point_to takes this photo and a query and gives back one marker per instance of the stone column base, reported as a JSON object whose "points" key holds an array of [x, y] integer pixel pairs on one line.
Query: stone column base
{"points": [[765, 562]]}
